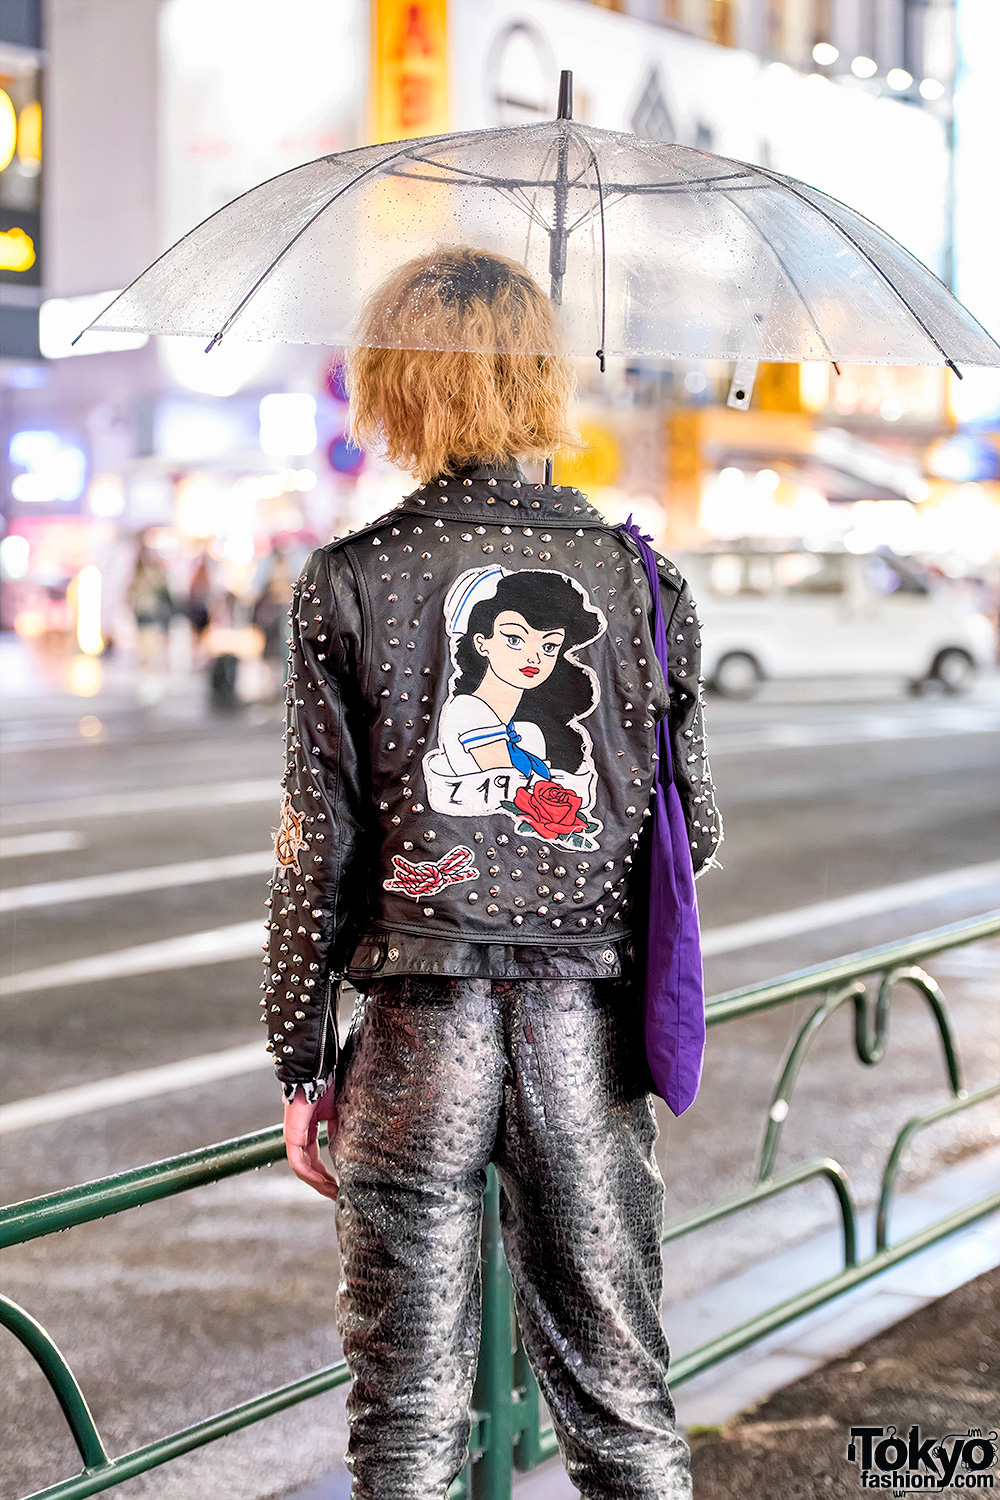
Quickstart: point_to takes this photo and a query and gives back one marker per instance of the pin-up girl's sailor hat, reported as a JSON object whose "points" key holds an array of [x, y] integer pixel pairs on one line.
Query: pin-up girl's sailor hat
{"points": [[468, 591]]}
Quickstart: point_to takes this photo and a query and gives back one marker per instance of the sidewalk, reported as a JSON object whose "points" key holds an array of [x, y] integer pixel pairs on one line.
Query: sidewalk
{"points": [[938, 1369]]}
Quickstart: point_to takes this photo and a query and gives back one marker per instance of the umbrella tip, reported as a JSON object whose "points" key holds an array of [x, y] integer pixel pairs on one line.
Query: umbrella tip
{"points": [[565, 109]]}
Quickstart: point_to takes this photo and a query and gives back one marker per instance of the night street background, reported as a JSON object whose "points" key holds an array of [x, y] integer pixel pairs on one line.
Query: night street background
{"points": [[839, 519], [185, 1306]]}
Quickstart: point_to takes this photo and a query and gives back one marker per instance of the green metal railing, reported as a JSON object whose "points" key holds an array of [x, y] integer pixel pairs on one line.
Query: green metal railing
{"points": [[507, 1432]]}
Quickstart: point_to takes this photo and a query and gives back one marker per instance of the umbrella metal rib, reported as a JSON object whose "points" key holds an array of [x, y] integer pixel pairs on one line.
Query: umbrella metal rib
{"points": [[790, 187], [790, 278], [467, 177], [804, 274], [295, 237]]}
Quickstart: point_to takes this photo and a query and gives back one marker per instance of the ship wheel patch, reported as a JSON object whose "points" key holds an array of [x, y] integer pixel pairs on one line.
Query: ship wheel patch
{"points": [[288, 840]]}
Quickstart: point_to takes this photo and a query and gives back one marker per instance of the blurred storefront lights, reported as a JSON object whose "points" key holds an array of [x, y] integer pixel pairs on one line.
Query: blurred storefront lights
{"points": [[199, 506], [15, 552], [814, 385], [961, 523], [84, 681], [254, 487], [60, 320], [106, 496], [150, 500], [964, 458], [288, 424], [883, 523], [302, 480], [30, 623], [88, 611], [239, 548], [187, 432], [8, 130], [29, 138], [975, 400], [56, 470], [17, 250], [230, 366]]}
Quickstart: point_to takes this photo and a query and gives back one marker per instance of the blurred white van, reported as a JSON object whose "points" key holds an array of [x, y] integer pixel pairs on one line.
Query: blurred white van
{"points": [[787, 614]]}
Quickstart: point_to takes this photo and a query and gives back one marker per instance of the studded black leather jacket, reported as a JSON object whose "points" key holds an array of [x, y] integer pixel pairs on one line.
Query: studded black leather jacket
{"points": [[471, 711]]}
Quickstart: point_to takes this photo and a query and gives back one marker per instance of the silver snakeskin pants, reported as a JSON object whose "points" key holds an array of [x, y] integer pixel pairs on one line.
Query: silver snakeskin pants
{"points": [[439, 1077]]}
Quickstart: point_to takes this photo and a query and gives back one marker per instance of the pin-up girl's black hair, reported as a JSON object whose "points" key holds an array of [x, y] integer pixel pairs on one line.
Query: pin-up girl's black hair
{"points": [[548, 601]]}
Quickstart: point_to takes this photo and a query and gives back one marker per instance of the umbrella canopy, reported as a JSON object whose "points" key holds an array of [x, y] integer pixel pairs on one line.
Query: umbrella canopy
{"points": [[649, 249]]}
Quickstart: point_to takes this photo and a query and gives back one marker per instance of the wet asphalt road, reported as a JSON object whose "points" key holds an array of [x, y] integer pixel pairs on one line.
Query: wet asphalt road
{"points": [[184, 1307]]}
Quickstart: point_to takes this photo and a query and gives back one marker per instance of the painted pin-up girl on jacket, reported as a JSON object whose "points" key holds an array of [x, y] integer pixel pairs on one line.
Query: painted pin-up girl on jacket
{"points": [[509, 735]]}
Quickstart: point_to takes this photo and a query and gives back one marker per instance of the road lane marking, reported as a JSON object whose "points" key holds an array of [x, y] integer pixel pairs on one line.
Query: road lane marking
{"points": [[125, 1088], [243, 939], [126, 882], [972, 719], [866, 731], [57, 842], [216, 946], [846, 908], [164, 799]]}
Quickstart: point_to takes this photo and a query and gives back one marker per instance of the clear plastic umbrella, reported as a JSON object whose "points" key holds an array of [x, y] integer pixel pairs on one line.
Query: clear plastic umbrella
{"points": [[649, 249]]}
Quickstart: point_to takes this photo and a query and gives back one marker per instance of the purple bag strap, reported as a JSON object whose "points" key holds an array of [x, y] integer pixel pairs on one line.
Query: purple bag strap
{"points": [[630, 529], [674, 996]]}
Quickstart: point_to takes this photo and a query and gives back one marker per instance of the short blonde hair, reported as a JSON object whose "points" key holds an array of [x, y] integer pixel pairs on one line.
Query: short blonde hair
{"points": [[494, 388]]}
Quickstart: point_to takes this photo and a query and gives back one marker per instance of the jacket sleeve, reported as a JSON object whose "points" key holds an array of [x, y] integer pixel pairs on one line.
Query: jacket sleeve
{"points": [[692, 773], [319, 893]]}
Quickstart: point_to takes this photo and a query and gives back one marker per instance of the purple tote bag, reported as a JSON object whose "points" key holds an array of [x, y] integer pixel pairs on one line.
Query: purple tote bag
{"points": [[674, 992]]}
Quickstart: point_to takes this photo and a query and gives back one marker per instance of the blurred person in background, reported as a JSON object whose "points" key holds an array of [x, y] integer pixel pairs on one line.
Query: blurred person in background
{"points": [[199, 605], [150, 601], [227, 639], [270, 615], [491, 1024]]}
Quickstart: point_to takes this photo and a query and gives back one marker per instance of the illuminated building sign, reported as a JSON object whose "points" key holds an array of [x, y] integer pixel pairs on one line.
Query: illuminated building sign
{"points": [[20, 166], [17, 250], [409, 63]]}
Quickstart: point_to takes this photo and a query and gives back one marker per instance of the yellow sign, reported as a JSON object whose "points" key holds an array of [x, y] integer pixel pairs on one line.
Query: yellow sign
{"points": [[409, 69], [684, 435], [17, 250], [8, 129], [599, 462], [778, 388], [29, 136]]}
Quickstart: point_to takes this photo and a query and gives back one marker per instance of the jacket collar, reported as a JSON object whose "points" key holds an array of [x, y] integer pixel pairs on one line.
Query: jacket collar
{"points": [[491, 492]]}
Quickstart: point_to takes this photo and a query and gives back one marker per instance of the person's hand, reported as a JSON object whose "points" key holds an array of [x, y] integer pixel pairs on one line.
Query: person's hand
{"points": [[301, 1127]]}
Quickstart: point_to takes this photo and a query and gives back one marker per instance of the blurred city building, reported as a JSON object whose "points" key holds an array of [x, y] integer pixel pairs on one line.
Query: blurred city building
{"points": [[157, 112]]}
